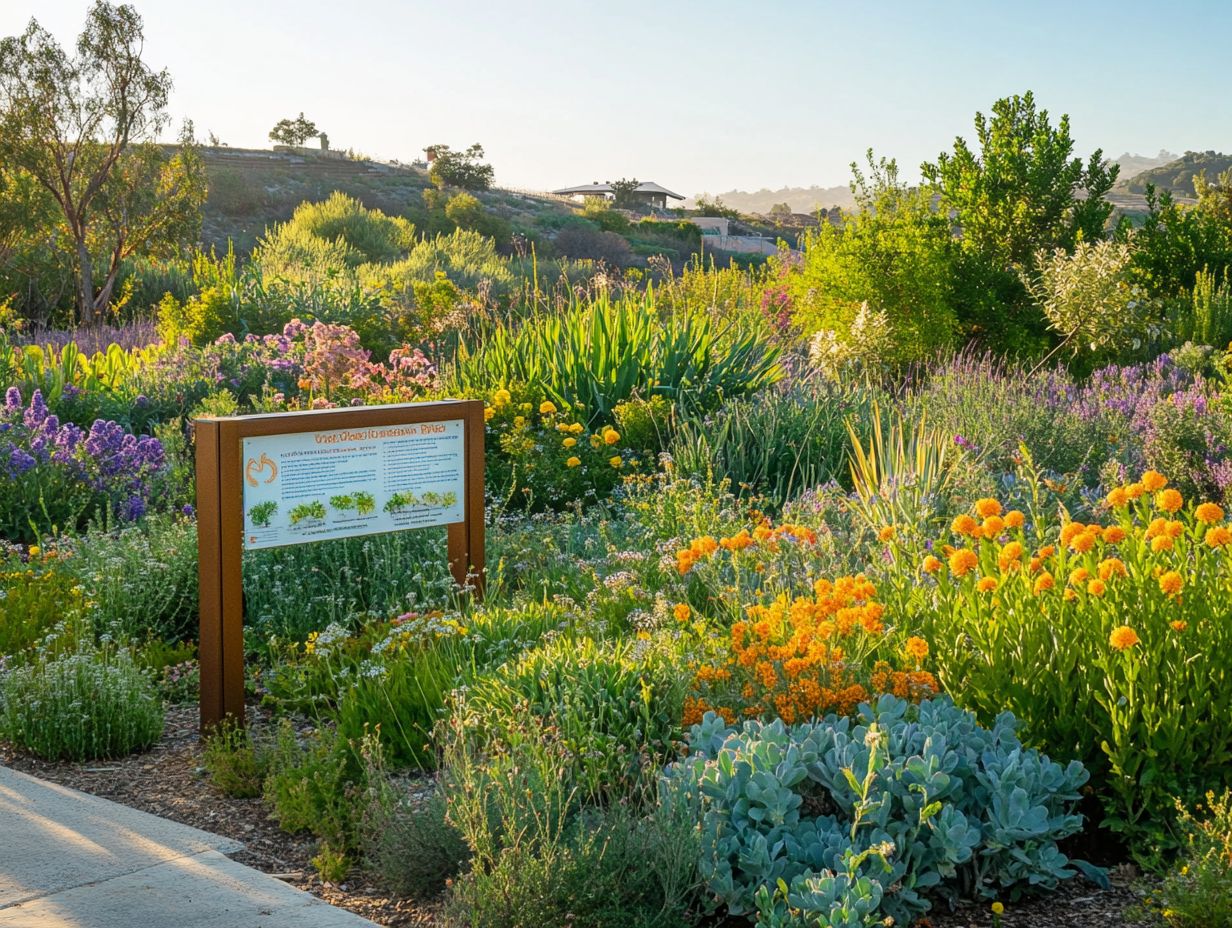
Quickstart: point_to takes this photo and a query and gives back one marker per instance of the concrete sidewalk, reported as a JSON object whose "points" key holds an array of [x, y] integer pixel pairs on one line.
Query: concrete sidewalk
{"points": [[71, 860]]}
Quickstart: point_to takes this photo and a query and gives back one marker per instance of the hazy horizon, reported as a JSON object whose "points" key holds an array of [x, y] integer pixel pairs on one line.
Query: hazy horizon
{"points": [[698, 97]]}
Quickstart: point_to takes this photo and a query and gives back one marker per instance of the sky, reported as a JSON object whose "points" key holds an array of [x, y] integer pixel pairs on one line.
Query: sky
{"points": [[698, 96]]}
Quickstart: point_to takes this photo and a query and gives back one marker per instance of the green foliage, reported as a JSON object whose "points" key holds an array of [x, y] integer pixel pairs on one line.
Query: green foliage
{"points": [[315, 785], [1176, 243], [463, 169], [100, 112], [466, 212], [1018, 191], [1182, 177], [407, 841], [1204, 316], [466, 257], [294, 132], [598, 353], [778, 443], [33, 602], [617, 714], [236, 761], [893, 254], [599, 211], [80, 706], [624, 193], [1197, 890], [920, 800], [361, 235]]}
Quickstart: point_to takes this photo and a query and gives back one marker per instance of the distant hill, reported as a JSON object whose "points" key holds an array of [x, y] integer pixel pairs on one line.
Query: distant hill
{"points": [[1133, 165], [800, 199], [1178, 175]]}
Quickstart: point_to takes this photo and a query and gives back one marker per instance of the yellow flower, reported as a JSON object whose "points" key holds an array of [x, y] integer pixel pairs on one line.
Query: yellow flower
{"points": [[576, 428], [998, 908], [931, 564], [1153, 480], [1169, 500], [547, 408], [519, 421], [526, 407], [987, 507], [1171, 583], [35, 551], [488, 413], [1123, 638], [610, 436], [615, 460], [886, 533], [569, 442], [573, 462], [682, 612], [1209, 512], [501, 397]]}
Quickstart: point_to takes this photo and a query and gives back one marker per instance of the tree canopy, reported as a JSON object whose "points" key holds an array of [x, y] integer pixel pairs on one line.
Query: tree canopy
{"points": [[83, 127], [294, 132], [463, 169]]}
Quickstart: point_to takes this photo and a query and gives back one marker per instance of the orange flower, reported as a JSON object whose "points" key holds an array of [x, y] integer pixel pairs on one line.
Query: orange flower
{"points": [[1096, 587], [1158, 526], [886, 533], [1134, 490], [1179, 625], [964, 525], [1043, 582], [1171, 583], [1114, 534], [1070, 595], [1153, 480], [986, 585], [1123, 637], [962, 562], [1208, 512], [1117, 498], [987, 507], [1175, 528], [1014, 519], [1161, 543], [1070, 531], [1218, 536], [1111, 567], [1079, 576], [682, 612], [916, 648], [1169, 500], [931, 564], [1083, 542], [992, 527]]}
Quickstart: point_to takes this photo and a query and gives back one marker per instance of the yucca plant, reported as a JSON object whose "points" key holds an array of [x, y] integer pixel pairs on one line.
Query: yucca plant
{"points": [[602, 351], [901, 471]]}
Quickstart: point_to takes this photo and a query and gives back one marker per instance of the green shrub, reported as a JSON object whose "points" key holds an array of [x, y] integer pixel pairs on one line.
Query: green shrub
{"points": [[922, 801], [80, 706], [778, 443], [368, 234], [601, 352], [316, 786], [236, 761], [34, 602], [1197, 890], [408, 843]]}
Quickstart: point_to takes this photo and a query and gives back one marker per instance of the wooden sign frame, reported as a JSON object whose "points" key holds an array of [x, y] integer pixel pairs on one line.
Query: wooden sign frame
{"points": [[220, 524]]}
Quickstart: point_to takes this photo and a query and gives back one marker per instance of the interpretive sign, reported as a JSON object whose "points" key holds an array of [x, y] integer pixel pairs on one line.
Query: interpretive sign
{"points": [[316, 485], [265, 481]]}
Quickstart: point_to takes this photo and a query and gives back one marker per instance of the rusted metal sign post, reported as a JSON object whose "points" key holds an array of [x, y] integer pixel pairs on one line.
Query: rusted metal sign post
{"points": [[265, 481]]}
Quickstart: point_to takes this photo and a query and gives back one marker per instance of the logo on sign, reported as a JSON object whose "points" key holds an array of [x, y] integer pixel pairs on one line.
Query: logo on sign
{"points": [[258, 466]]}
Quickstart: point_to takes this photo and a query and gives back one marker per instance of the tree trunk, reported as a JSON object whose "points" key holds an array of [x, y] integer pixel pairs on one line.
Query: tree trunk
{"points": [[85, 284]]}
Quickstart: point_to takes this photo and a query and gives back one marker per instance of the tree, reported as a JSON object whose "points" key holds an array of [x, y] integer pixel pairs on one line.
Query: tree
{"points": [[1022, 191], [294, 132], [463, 169], [780, 212], [83, 128], [624, 193]]}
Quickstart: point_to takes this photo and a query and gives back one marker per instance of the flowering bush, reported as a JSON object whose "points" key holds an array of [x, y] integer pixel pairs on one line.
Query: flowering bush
{"points": [[1108, 640], [58, 475], [541, 454], [804, 657]]}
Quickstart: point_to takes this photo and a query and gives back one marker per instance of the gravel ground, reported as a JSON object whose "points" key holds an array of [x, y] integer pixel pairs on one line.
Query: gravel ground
{"points": [[168, 781]]}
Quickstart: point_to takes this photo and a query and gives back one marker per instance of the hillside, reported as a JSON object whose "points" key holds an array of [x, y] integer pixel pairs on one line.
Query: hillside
{"points": [[1133, 165], [1178, 176]]}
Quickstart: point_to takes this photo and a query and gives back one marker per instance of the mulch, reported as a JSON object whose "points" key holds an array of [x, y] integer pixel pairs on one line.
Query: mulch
{"points": [[168, 780]]}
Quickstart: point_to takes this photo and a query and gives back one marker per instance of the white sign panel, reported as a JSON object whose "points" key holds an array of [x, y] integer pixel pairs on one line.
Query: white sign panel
{"points": [[310, 486]]}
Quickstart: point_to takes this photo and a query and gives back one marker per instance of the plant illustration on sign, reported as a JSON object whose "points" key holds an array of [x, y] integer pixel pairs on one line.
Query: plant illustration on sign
{"points": [[403, 499], [262, 514], [304, 511], [365, 503]]}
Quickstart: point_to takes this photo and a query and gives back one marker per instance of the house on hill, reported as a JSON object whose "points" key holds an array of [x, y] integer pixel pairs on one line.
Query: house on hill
{"points": [[649, 193]]}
